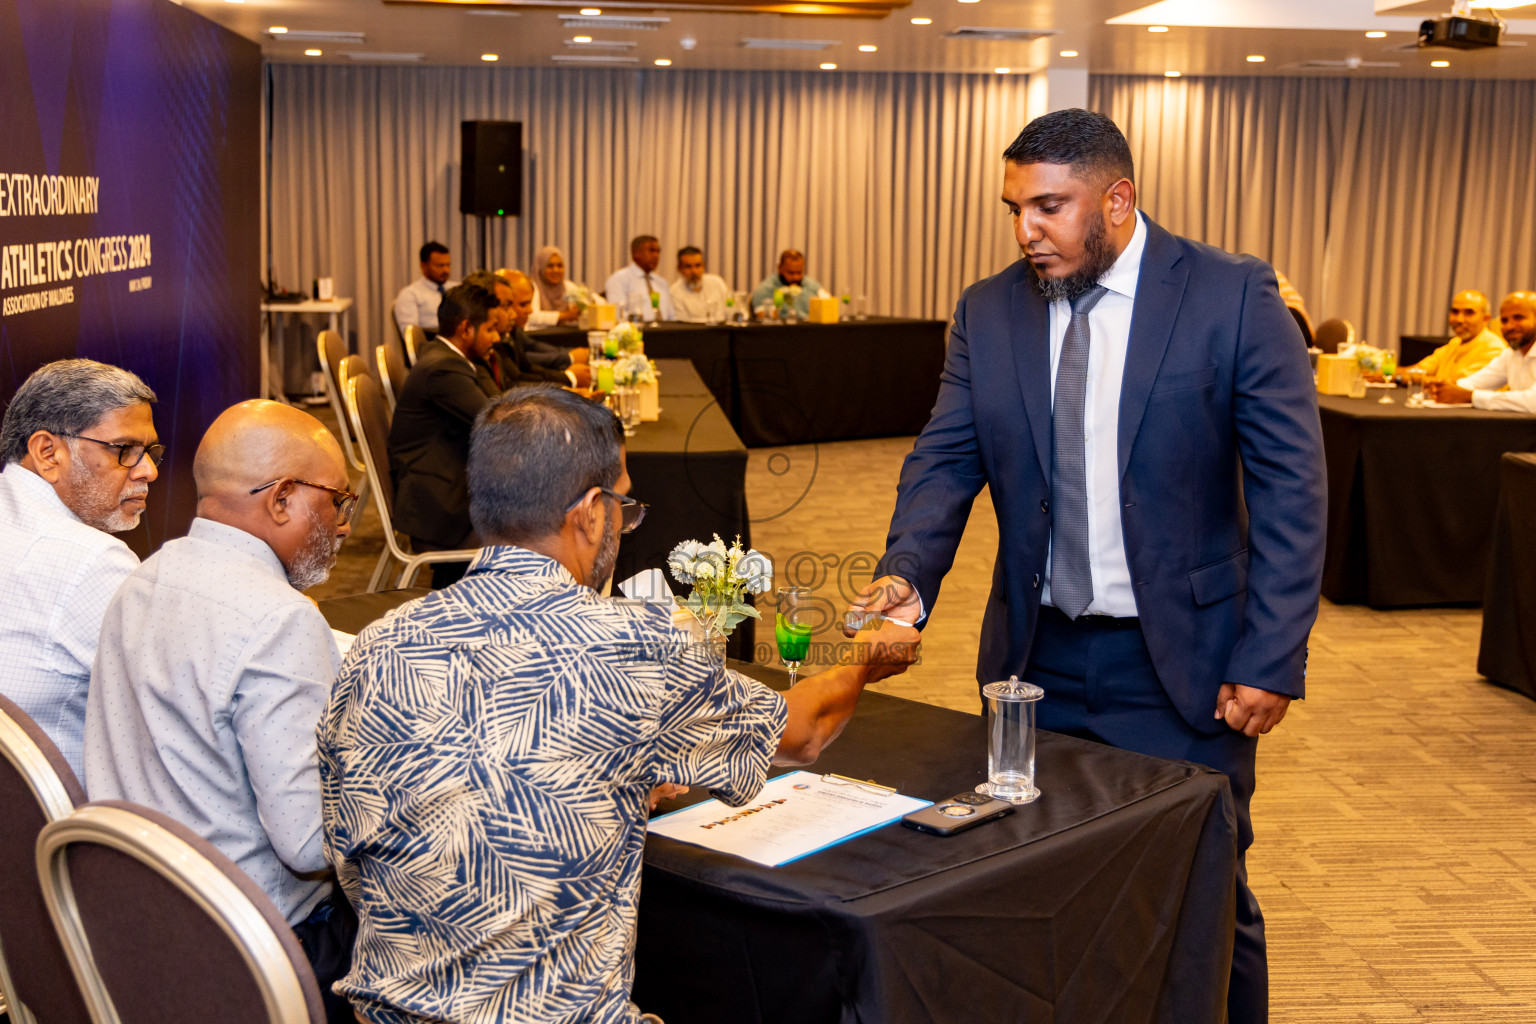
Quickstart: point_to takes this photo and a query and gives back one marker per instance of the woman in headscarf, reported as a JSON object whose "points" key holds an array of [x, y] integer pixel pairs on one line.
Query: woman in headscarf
{"points": [[552, 303]]}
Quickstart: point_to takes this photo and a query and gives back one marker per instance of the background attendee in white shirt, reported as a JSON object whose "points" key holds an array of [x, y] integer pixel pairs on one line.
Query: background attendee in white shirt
{"points": [[80, 451], [1514, 368], [214, 667], [416, 305], [637, 289], [697, 296], [553, 292]]}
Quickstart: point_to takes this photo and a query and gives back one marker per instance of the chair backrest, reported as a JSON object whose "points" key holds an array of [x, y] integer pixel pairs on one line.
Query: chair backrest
{"points": [[333, 353], [1301, 322], [415, 339], [352, 366], [36, 787], [392, 372], [1334, 334], [371, 422], [173, 930]]}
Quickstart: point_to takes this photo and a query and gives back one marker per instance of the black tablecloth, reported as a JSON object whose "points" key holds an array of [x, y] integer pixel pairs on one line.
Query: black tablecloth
{"points": [[1108, 899], [691, 468], [1508, 651], [802, 383], [1411, 497]]}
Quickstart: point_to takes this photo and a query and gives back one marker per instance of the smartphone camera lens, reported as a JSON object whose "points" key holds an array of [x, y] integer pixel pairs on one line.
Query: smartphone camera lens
{"points": [[956, 810]]}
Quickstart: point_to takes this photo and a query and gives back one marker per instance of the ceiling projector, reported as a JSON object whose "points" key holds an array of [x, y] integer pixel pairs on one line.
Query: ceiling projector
{"points": [[1459, 33]]}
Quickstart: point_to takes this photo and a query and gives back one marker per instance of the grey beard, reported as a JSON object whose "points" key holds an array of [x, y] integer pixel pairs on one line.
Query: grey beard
{"points": [[98, 507], [312, 565], [607, 557], [1098, 256]]}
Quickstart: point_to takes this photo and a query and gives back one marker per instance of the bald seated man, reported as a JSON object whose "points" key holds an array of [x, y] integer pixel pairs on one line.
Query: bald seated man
{"points": [[1473, 347], [213, 668], [1508, 384]]}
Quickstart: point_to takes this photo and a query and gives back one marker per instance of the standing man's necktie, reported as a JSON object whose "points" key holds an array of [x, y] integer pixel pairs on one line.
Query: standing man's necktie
{"points": [[1071, 578], [440, 290]]}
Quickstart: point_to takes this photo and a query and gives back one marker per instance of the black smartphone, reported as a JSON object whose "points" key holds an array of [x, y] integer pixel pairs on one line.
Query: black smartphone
{"points": [[958, 813]]}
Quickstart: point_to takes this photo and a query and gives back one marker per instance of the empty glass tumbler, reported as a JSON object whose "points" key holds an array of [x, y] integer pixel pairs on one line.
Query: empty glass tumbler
{"points": [[1011, 740]]}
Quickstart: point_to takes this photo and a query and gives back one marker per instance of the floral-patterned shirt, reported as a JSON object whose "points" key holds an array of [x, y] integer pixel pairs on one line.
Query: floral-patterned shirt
{"points": [[485, 759]]}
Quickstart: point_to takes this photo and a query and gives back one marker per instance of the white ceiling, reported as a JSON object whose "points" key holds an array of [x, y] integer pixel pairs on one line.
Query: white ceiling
{"points": [[1205, 37]]}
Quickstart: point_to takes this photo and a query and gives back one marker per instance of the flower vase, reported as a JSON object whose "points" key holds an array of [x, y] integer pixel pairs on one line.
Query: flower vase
{"points": [[709, 639], [650, 401]]}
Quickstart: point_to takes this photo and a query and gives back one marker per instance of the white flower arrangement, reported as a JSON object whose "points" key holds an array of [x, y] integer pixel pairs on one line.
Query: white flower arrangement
{"points": [[628, 336], [783, 296], [634, 369], [721, 577], [582, 295], [1375, 360]]}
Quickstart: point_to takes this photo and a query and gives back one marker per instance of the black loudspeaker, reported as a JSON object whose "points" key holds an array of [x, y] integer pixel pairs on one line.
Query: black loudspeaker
{"points": [[491, 159]]}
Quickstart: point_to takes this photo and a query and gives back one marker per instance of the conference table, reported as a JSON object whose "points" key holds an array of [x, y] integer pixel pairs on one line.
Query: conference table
{"points": [[803, 383], [1411, 498], [1111, 898], [1507, 653]]}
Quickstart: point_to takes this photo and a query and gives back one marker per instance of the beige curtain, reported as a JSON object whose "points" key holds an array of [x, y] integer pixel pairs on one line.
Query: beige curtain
{"points": [[1378, 198], [889, 182]]}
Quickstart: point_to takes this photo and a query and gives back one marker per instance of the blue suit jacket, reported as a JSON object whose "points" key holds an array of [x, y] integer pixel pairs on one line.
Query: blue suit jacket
{"points": [[1221, 471]]}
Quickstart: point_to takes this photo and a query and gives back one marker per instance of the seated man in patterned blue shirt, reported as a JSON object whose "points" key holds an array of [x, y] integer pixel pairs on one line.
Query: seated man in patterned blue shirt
{"points": [[487, 752]]}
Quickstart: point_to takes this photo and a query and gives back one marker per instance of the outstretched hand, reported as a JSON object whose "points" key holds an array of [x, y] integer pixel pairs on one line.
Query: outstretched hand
{"points": [[888, 596], [1250, 710]]}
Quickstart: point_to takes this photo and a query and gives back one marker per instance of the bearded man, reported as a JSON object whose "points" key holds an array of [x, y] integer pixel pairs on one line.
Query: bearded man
{"points": [[213, 668], [80, 452], [1143, 411]]}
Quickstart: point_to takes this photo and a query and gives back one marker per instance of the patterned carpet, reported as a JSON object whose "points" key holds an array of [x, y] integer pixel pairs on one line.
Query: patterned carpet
{"points": [[1396, 812]]}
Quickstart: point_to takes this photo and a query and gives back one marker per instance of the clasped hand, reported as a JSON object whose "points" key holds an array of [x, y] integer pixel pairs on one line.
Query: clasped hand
{"points": [[1250, 710]]}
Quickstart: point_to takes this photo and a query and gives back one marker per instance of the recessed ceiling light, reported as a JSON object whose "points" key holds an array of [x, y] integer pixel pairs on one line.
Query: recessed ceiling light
{"points": [[663, 62], [581, 39], [868, 48], [234, 1], [1002, 71], [1439, 63], [591, 12], [1172, 74], [1255, 58], [277, 30], [922, 21], [1375, 35], [311, 53], [1069, 53], [489, 56], [829, 67], [970, 1], [1157, 28]]}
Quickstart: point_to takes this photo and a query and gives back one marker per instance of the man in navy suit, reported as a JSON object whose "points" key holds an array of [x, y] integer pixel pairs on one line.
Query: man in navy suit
{"points": [[1142, 408]]}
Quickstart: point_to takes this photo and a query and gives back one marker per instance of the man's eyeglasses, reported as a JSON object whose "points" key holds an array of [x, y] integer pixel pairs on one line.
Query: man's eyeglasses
{"points": [[631, 512], [345, 501], [129, 453]]}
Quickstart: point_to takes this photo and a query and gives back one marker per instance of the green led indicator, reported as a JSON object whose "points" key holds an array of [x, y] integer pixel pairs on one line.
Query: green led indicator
{"points": [[500, 212]]}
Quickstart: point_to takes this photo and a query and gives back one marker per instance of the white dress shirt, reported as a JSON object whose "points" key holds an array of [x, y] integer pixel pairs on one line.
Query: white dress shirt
{"points": [[210, 680], [1513, 369], [416, 305], [704, 304], [57, 576], [1109, 332], [630, 290]]}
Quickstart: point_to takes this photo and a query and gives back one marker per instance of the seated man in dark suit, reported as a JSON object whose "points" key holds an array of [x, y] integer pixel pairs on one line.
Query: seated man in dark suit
{"points": [[429, 438], [514, 360]]}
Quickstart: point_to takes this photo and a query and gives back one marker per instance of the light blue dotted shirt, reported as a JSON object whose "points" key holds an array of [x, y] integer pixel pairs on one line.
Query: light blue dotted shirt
{"points": [[210, 678], [56, 577]]}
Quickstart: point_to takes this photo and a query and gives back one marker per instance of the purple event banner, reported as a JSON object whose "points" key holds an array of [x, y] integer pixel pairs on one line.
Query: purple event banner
{"points": [[130, 212]]}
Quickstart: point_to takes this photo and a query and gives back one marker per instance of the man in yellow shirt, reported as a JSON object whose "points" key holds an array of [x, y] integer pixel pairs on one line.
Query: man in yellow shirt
{"points": [[1473, 347]]}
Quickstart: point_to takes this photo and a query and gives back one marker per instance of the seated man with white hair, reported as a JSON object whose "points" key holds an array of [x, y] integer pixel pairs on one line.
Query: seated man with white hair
{"points": [[213, 668], [80, 452]]}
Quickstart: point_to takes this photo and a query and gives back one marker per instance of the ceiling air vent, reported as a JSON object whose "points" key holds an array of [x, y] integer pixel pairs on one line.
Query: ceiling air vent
{"points": [[1006, 35], [567, 58], [788, 44], [382, 57], [637, 24], [296, 35], [1348, 64]]}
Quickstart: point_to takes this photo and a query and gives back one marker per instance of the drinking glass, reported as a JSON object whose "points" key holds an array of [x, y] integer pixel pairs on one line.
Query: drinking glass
{"points": [[792, 627], [628, 408], [1415, 388], [596, 340], [1011, 740], [860, 310]]}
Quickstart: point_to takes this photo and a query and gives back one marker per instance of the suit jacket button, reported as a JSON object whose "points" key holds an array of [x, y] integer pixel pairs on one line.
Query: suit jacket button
{"points": [[1045, 505], [1036, 582]]}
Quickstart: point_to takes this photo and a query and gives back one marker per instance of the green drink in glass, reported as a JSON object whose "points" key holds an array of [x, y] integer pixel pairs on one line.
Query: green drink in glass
{"points": [[792, 627]]}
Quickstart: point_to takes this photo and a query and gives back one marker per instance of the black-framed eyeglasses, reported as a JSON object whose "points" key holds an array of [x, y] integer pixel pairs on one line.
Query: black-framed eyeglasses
{"points": [[129, 453], [631, 512], [345, 501]]}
